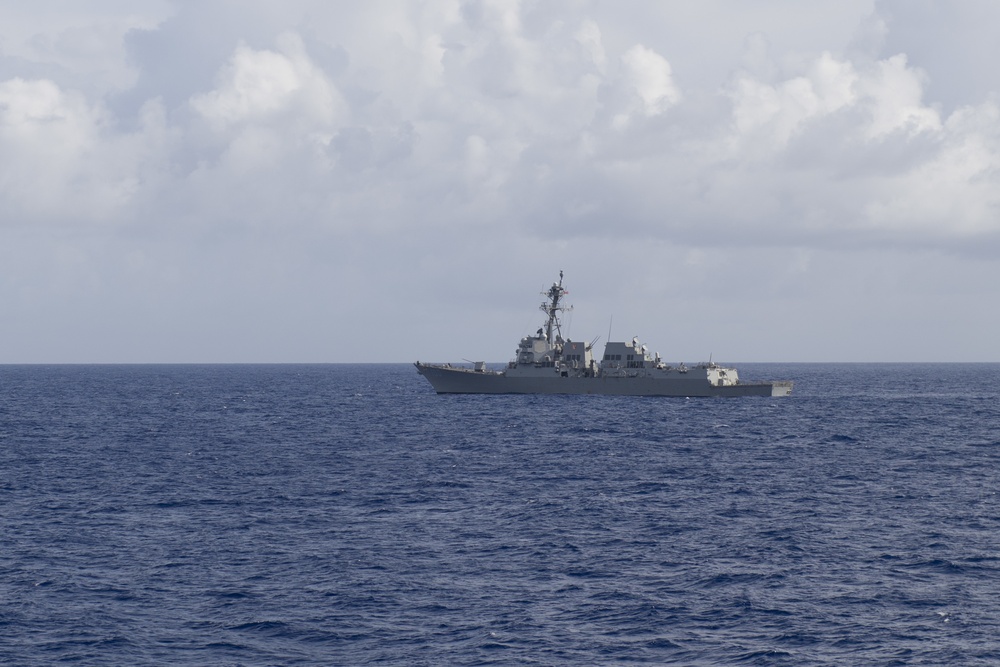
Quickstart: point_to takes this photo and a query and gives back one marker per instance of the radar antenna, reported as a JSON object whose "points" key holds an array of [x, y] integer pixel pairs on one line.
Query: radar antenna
{"points": [[552, 308]]}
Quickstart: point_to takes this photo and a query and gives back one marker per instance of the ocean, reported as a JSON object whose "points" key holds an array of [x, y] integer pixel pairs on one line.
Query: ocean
{"points": [[347, 515]]}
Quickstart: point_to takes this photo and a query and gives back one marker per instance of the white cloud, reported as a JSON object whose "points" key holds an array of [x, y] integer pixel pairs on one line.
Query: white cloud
{"points": [[888, 93], [648, 80], [854, 148], [47, 137], [62, 161], [783, 108], [258, 85], [896, 93], [955, 193]]}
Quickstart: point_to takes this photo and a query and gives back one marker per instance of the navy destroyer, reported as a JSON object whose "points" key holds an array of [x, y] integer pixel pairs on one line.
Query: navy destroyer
{"points": [[547, 364]]}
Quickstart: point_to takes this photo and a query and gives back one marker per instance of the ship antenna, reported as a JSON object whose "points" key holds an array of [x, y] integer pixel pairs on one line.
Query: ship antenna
{"points": [[610, 322], [552, 309]]}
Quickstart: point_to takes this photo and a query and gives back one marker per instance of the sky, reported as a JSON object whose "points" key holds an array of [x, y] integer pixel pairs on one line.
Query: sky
{"points": [[392, 180]]}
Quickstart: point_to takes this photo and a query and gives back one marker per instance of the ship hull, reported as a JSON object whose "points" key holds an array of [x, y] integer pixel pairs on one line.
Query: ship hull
{"points": [[452, 380]]}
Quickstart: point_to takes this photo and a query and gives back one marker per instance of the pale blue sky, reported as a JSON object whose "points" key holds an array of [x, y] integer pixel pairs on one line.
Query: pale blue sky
{"points": [[315, 181]]}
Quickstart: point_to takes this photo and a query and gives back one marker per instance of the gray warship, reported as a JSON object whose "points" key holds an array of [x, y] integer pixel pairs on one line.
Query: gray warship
{"points": [[547, 364]]}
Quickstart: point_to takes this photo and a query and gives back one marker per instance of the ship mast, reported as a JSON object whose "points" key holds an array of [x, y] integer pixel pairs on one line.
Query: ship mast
{"points": [[551, 308]]}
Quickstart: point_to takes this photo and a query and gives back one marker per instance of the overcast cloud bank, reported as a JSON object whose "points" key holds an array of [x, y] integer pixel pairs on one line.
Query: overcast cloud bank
{"points": [[307, 182]]}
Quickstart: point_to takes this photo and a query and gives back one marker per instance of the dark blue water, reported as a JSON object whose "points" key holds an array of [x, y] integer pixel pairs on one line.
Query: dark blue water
{"points": [[345, 515]]}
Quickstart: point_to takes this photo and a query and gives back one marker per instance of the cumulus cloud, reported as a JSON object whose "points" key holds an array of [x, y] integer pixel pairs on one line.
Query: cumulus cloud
{"points": [[45, 135], [781, 109], [649, 84], [257, 85], [955, 192], [62, 160], [896, 93], [505, 110]]}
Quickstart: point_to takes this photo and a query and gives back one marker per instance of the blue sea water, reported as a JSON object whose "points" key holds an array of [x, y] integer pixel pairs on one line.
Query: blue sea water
{"points": [[347, 515]]}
